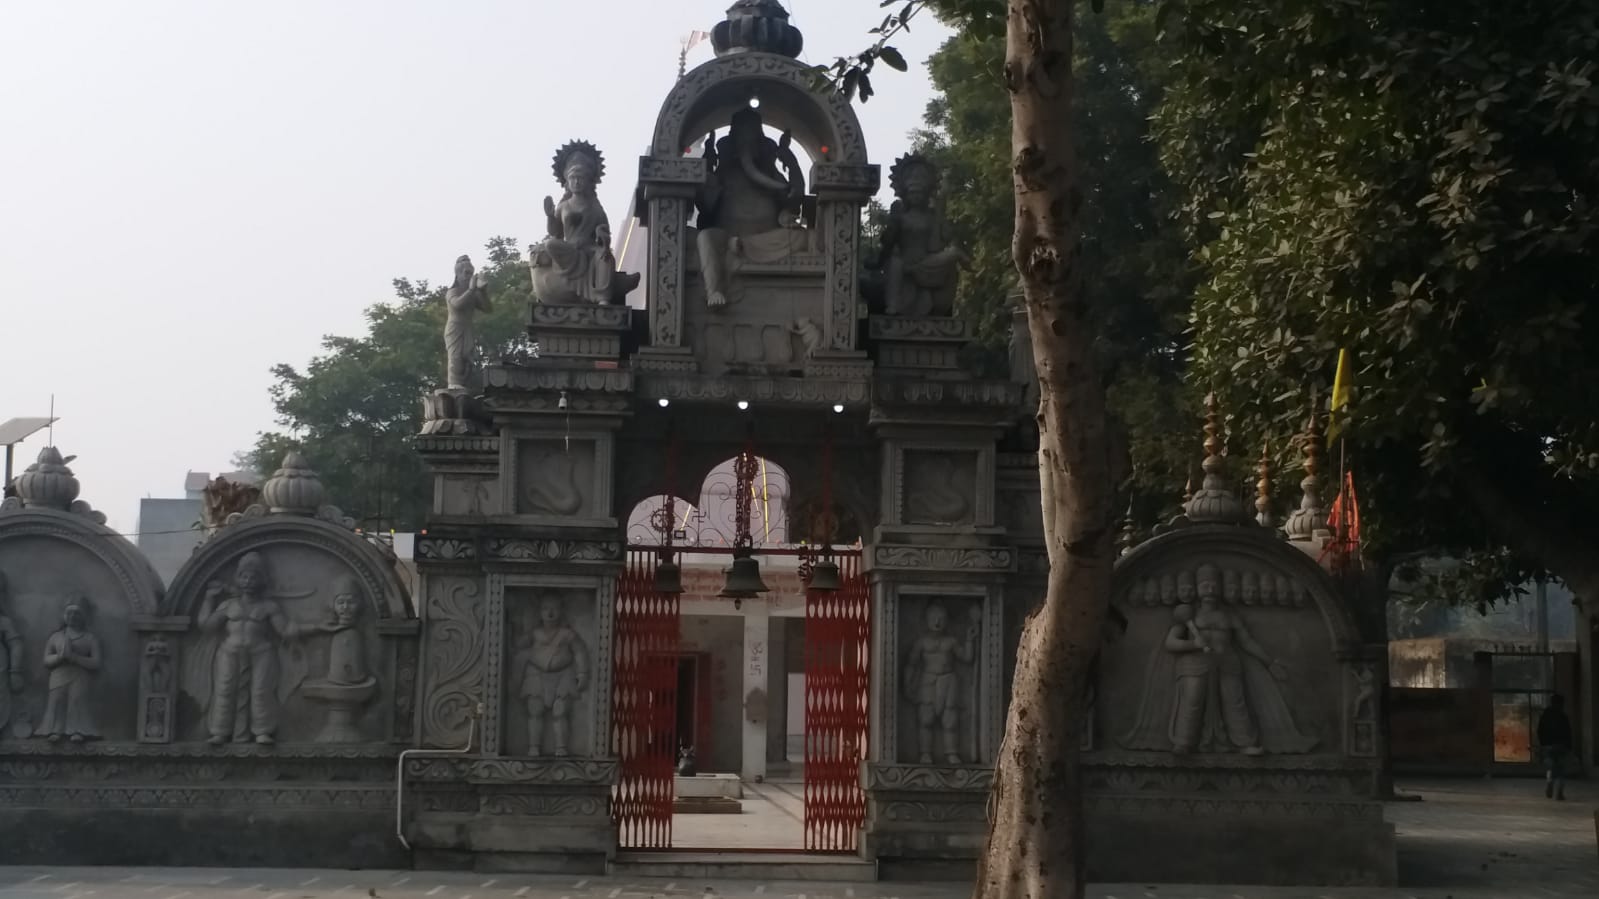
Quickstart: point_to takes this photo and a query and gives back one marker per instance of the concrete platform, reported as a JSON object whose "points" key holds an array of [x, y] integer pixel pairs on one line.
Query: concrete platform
{"points": [[706, 786], [782, 866]]}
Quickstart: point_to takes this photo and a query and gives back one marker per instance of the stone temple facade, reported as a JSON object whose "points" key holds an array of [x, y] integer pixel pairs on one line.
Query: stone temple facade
{"points": [[263, 707]]}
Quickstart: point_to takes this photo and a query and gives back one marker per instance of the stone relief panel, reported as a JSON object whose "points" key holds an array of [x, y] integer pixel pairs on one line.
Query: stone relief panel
{"points": [[284, 648], [940, 487], [771, 324], [69, 657], [556, 478], [1222, 654], [452, 656], [466, 495], [940, 644], [552, 661]]}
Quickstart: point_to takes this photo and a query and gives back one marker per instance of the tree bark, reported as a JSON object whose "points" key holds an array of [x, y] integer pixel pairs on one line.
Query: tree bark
{"points": [[1035, 843]]}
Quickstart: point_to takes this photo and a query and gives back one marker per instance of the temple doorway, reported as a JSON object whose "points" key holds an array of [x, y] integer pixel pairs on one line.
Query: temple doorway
{"points": [[740, 721]]}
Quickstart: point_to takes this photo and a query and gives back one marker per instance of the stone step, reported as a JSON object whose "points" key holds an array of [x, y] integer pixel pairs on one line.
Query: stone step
{"points": [[761, 866]]}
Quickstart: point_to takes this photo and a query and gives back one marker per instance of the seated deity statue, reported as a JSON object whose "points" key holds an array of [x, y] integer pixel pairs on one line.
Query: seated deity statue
{"points": [[574, 264], [920, 268], [748, 209]]}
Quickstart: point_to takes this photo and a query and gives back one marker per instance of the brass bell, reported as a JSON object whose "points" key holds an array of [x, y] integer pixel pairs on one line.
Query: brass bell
{"points": [[824, 575], [744, 578], [668, 576]]}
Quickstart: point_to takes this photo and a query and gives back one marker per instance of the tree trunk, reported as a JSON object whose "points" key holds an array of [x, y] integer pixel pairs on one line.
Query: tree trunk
{"points": [[1035, 843]]}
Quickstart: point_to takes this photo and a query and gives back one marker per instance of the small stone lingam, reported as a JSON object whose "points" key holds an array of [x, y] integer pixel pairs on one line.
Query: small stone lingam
{"points": [[349, 686]]}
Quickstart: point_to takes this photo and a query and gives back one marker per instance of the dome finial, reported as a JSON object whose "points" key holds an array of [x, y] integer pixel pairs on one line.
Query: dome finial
{"points": [[1214, 503], [759, 26], [293, 489]]}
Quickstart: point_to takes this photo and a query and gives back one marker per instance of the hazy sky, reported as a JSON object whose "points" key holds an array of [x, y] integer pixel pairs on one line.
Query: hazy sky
{"points": [[192, 191]]}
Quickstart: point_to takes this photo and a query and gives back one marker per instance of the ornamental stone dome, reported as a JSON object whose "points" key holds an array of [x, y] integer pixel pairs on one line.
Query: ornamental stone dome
{"points": [[759, 26]]}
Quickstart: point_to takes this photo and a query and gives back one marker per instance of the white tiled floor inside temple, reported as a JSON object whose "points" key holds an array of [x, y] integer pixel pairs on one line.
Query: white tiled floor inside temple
{"points": [[772, 817]]}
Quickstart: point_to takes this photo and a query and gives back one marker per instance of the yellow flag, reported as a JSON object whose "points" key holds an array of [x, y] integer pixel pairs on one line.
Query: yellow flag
{"points": [[1340, 397]]}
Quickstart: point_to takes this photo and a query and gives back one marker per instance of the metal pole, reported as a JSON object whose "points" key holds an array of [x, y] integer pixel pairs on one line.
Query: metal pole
{"points": [[10, 448]]}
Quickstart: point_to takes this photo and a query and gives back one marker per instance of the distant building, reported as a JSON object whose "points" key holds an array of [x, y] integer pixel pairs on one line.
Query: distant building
{"points": [[169, 530]]}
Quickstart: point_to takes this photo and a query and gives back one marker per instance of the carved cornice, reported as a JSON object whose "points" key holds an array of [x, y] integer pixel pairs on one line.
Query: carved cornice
{"points": [[580, 315], [442, 444], [575, 772], [551, 402], [554, 550], [1257, 809], [701, 388], [355, 797], [888, 557], [31, 752], [998, 395], [843, 178], [446, 549], [973, 810], [929, 778], [1254, 767], [518, 377], [671, 170], [916, 328]]}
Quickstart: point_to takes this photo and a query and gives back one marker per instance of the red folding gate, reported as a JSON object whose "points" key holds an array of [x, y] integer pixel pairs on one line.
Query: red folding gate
{"points": [[644, 706], [838, 635]]}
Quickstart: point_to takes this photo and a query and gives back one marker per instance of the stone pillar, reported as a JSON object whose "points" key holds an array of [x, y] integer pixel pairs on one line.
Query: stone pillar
{"points": [[757, 709], [841, 192], [667, 186]]}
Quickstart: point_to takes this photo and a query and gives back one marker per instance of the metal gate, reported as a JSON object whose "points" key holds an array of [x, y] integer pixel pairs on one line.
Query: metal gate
{"points": [[644, 705], [838, 636]]}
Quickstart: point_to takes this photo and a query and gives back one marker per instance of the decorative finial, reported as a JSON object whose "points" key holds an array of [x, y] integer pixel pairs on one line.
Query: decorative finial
{"points": [[294, 489], [48, 483], [1311, 516], [1263, 515], [1129, 535], [1214, 503], [759, 26]]}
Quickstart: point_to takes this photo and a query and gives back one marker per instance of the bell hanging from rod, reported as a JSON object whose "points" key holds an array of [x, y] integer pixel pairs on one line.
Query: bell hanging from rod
{"points": [[824, 574], [744, 578], [668, 576]]}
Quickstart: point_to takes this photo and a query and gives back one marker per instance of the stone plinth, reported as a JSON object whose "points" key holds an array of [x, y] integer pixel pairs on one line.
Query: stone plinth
{"points": [[579, 330], [926, 822], [925, 344], [704, 786], [547, 816]]}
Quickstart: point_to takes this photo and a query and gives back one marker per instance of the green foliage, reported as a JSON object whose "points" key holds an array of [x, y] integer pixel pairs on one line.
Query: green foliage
{"points": [[353, 410], [1415, 182], [1136, 273]]}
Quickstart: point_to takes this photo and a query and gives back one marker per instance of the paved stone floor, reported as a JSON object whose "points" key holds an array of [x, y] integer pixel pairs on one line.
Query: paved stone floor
{"points": [[1468, 840]]}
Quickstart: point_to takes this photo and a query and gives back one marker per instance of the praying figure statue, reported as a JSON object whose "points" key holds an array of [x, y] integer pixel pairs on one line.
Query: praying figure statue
{"points": [[12, 679], [932, 682], [72, 656], [574, 264], [749, 210], [555, 672], [1210, 687], [467, 296], [244, 682], [920, 268]]}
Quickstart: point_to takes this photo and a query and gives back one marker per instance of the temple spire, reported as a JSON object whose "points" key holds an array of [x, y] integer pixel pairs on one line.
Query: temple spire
{"points": [[1214, 502], [1311, 516]]}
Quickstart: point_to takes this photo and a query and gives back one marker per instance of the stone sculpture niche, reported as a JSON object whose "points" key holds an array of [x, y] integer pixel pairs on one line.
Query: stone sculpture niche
{"points": [[919, 266], [551, 672], [349, 685], [70, 592], [940, 651], [574, 263], [1210, 681]]}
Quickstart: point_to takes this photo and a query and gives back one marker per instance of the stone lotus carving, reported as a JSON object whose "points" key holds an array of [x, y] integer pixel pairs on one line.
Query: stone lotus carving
{"points": [[48, 482], [12, 655], [574, 263], [72, 658], [248, 683], [748, 208], [1209, 686], [920, 267], [933, 682], [467, 296], [294, 488], [554, 670], [349, 684]]}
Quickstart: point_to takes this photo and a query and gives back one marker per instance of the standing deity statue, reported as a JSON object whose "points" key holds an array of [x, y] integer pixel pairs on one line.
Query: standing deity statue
{"points": [[246, 669], [555, 672], [12, 679], [932, 682], [920, 268], [748, 209], [1210, 687], [72, 656], [468, 295], [574, 263]]}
